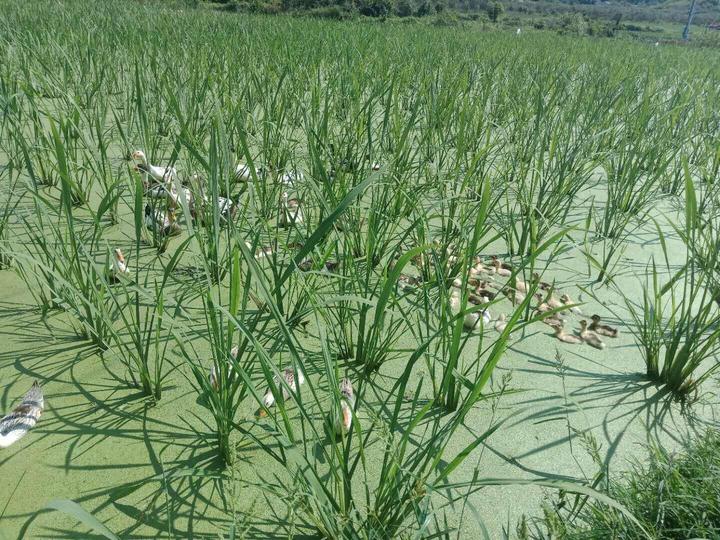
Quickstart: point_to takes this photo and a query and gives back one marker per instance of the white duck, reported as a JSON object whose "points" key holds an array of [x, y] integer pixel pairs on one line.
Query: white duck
{"points": [[243, 173], [289, 178], [16, 424], [163, 223], [159, 174]]}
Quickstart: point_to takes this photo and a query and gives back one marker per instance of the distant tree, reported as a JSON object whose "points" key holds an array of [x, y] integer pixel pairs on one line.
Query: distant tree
{"points": [[403, 8], [374, 8], [494, 10], [423, 9]]}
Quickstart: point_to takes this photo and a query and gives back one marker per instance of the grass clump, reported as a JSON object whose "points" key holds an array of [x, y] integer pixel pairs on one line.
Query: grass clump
{"points": [[672, 496]]}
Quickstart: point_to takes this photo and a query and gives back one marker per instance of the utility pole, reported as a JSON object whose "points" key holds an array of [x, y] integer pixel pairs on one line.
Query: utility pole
{"points": [[691, 14]]}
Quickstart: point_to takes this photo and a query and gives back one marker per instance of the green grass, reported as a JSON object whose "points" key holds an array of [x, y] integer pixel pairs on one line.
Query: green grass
{"points": [[536, 148], [673, 495]]}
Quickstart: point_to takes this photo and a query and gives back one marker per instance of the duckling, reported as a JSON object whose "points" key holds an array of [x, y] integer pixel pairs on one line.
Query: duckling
{"points": [[16, 424], [565, 299], [565, 338], [159, 174], [521, 286], [118, 266], [589, 337], [503, 265], [408, 283], [306, 264], [542, 285], [552, 301], [542, 307], [500, 270], [501, 323], [486, 295], [347, 404], [548, 302], [290, 380], [602, 329], [472, 318], [480, 268], [290, 211], [514, 296], [163, 223]]}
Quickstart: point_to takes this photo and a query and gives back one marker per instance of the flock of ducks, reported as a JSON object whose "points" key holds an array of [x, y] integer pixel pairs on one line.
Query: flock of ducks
{"points": [[161, 184], [481, 289]]}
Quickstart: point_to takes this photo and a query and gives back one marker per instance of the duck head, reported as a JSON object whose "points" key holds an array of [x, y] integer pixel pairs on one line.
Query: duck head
{"points": [[139, 155]]}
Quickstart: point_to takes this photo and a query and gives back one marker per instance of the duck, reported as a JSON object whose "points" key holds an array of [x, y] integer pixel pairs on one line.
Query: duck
{"points": [[514, 296], [243, 173], [291, 381], [542, 307], [225, 205], [602, 329], [542, 285], [482, 291], [118, 266], [214, 378], [501, 323], [501, 269], [169, 193], [15, 425], [504, 265], [408, 283], [521, 286], [590, 337], [347, 404], [290, 212], [173, 197], [290, 178], [564, 337], [158, 174], [472, 318], [566, 301], [163, 223]]}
